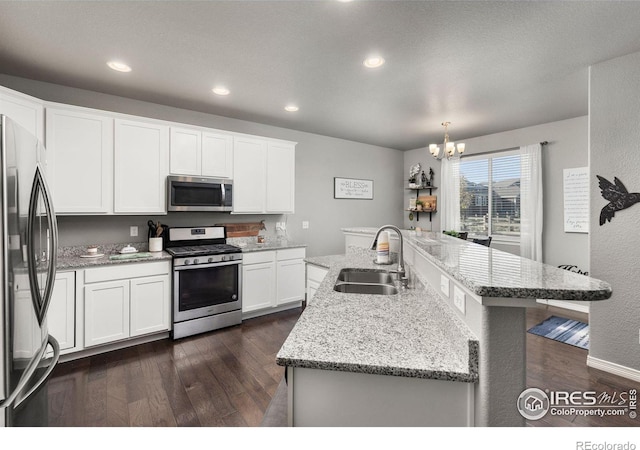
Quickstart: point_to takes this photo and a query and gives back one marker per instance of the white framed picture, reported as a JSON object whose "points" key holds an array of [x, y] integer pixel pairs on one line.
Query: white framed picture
{"points": [[352, 188]]}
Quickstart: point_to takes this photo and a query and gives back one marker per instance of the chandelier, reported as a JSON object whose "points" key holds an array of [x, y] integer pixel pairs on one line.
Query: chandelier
{"points": [[448, 148]]}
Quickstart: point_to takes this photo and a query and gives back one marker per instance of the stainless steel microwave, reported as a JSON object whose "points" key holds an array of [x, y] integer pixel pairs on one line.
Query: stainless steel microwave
{"points": [[199, 194]]}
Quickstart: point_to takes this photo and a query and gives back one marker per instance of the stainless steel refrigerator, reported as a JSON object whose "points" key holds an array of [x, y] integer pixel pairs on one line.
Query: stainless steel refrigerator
{"points": [[28, 246]]}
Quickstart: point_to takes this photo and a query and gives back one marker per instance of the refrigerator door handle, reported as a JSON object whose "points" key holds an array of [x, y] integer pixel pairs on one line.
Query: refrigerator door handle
{"points": [[54, 361], [41, 301], [30, 370]]}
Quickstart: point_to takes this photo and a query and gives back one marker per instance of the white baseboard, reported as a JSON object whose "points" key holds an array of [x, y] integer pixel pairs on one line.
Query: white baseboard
{"points": [[583, 308], [613, 368]]}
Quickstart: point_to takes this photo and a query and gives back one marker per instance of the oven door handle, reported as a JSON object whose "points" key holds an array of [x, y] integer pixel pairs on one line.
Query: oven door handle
{"points": [[209, 265]]}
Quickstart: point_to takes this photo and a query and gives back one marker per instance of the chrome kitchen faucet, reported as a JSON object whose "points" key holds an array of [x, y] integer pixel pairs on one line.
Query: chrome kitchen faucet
{"points": [[402, 278]]}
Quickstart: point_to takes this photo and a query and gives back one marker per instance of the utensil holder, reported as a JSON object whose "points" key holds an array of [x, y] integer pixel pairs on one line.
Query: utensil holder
{"points": [[155, 244]]}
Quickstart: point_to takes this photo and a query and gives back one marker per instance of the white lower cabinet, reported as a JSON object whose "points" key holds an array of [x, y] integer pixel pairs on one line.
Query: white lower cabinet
{"points": [[148, 306], [106, 312], [258, 289], [290, 276], [125, 301], [272, 278], [61, 317], [315, 275]]}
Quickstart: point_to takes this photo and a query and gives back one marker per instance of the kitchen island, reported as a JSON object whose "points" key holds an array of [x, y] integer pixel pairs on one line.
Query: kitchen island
{"points": [[450, 350]]}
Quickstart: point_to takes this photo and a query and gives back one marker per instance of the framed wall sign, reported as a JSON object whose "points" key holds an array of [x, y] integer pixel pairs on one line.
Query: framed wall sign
{"points": [[352, 188], [576, 200]]}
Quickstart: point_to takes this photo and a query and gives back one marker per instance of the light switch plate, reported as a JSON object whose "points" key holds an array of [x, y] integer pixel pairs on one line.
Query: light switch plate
{"points": [[444, 285], [133, 231], [305, 224], [459, 299]]}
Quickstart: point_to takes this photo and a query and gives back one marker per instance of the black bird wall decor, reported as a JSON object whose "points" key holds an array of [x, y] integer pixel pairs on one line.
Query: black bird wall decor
{"points": [[617, 195]]}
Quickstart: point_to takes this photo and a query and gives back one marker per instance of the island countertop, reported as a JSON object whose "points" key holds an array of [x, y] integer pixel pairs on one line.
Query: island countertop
{"points": [[489, 272], [412, 333]]}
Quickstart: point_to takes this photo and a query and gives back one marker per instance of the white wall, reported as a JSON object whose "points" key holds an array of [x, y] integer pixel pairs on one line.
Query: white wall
{"points": [[614, 113], [318, 160], [566, 148]]}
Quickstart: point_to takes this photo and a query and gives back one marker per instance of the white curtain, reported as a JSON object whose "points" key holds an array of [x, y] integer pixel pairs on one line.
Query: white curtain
{"points": [[531, 202], [450, 195]]}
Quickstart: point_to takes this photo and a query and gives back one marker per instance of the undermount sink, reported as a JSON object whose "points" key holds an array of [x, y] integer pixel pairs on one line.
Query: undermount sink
{"points": [[361, 281], [363, 288], [365, 276]]}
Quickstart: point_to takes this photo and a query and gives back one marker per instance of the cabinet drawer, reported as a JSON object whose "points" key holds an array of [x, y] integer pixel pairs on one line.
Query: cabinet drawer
{"points": [[258, 257], [126, 271], [291, 253]]}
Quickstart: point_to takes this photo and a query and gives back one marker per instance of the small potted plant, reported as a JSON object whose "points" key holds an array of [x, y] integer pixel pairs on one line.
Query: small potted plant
{"points": [[419, 205]]}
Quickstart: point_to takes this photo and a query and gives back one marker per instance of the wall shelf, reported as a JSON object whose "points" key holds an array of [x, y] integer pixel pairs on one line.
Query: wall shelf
{"points": [[430, 211]]}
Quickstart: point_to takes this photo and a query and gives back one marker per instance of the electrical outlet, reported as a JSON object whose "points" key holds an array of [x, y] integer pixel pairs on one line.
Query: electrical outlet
{"points": [[133, 231], [459, 299], [305, 224], [444, 285]]}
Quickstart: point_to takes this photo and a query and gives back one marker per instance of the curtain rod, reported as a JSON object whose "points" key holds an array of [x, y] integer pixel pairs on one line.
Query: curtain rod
{"points": [[511, 148]]}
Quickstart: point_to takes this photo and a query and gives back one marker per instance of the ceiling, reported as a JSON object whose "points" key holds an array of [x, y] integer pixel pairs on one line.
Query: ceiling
{"points": [[485, 66]]}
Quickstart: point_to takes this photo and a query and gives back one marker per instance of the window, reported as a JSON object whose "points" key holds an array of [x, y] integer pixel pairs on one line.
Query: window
{"points": [[490, 195]]}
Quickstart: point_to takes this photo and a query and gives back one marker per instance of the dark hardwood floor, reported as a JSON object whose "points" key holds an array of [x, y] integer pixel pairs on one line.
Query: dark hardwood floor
{"points": [[222, 378], [228, 378]]}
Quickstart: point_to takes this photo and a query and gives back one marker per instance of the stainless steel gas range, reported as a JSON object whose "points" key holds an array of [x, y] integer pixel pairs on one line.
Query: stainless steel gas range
{"points": [[207, 280]]}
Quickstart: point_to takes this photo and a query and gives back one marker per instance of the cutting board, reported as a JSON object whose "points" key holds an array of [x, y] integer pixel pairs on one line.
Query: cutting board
{"points": [[243, 229], [131, 256]]}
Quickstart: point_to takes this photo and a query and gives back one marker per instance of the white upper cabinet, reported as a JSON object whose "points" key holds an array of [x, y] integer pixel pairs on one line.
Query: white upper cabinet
{"points": [[196, 152], [249, 175], [263, 176], [281, 173], [140, 171], [80, 160], [27, 111], [217, 155], [186, 151]]}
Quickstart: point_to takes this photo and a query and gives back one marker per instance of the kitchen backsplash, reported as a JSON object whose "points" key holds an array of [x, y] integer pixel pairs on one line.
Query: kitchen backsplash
{"points": [[98, 230]]}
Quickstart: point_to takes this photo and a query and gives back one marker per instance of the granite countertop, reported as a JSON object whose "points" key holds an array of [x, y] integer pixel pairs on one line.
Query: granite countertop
{"points": [[489, 272], [69, 257], [250, 244], [412, 333]]}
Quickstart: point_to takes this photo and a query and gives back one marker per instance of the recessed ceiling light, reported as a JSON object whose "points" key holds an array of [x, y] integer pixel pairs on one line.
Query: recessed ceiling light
{"points": [[119, 66], [221, 90], [373, 62], [291, 108]]}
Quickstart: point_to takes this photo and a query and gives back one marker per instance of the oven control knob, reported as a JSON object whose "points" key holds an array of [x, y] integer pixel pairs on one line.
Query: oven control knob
{"points": [[187, 262], [224, 258], [210, 260], [196, 261]]}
